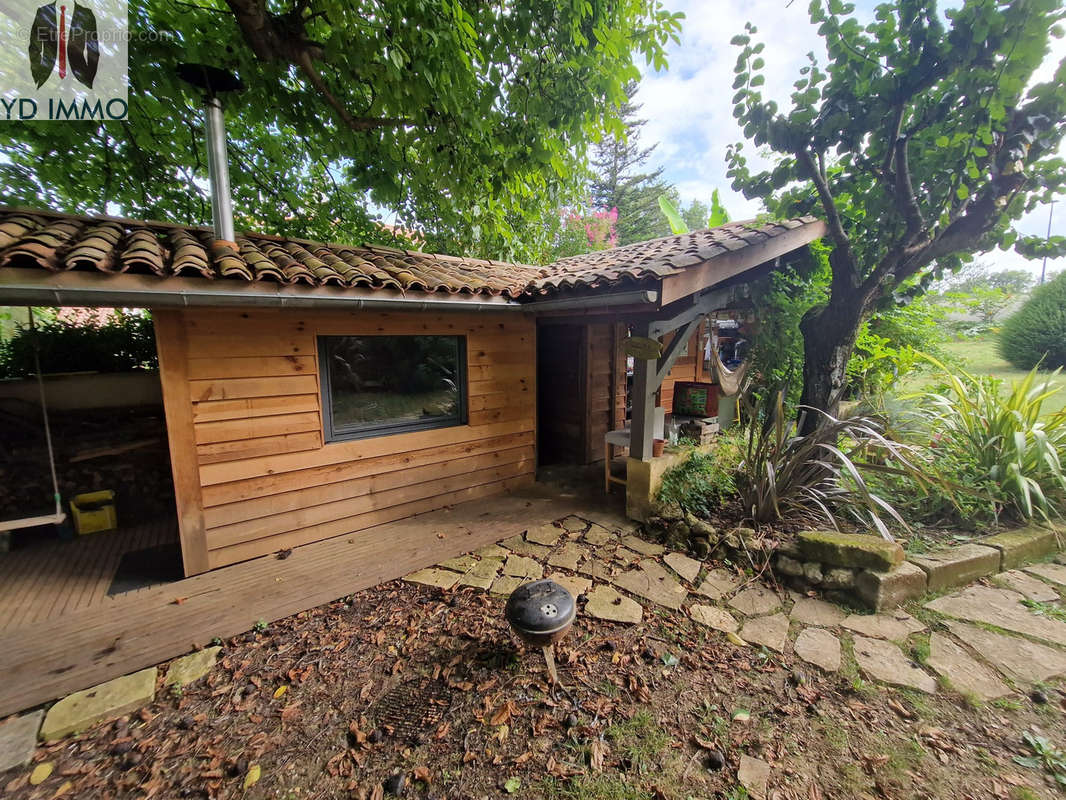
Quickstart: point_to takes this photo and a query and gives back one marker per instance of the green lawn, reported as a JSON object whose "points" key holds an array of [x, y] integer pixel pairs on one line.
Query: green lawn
{"points": [[980, 357]]}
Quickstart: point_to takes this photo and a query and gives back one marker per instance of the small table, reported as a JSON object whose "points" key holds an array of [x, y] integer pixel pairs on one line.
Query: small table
{"points": [[618, 438]]}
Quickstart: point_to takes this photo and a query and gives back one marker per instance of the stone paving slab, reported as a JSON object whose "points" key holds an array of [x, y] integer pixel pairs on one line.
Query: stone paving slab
{"points": [[547, 535], [568, 556], [895, 626], [718, 584], [605, 603], [771, 632], [817, 612], [483, 573], [460, 563], [575, 584], [433, 576], [620, 555], [493, 551], [505, 584], [885, 662], [1001, 608], [653, 583], [754, 775], [110, 700], [645, 548], [687, 568], [18, 739], [958, 566], [819, 647], [756, 599], [1056, 573], [183, 671], [714, 617], [599, 535], [1035, 590], [965, 673], [516, 544], [574, 524], [1017, 658], [528, 569], [596, 569]]}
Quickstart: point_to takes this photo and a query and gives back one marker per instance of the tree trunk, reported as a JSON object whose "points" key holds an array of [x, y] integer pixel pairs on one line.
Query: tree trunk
{"points": [[829, 334]]}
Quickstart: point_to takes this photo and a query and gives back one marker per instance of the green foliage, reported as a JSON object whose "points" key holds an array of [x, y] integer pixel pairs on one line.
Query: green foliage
{"points": [[468, 121], [80, 341], [1036, 334], [700, 484], [696, 217], [817, 475], [678, 225], [1002, 444], [920, 141], [1045, 756], [887, 344], [781, 301]]}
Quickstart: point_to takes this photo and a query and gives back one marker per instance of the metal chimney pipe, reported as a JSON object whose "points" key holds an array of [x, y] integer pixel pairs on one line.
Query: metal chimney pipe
{"points": [[218, 169]]}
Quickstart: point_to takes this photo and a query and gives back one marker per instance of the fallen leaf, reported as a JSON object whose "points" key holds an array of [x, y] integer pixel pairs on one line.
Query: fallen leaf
{"points": [[179, 600], [503, 714], [252, 777], [468, 757], [40, 773], [736, 640], [422, 774], [597, 752], [280, 691], [741, 715], [512, 785], [66, 787]]}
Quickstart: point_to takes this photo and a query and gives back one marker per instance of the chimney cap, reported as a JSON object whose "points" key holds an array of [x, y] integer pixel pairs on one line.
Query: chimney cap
{"points": [[211, 79]]}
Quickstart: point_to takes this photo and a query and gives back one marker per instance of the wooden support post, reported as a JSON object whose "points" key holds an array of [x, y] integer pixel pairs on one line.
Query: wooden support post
{"points": [[644, 386], [173, 351]]}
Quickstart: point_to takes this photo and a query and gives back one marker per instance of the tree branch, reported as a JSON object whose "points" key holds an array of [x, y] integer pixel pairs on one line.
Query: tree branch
{"points": [[912, 212], [271, 41], [357, 124]]}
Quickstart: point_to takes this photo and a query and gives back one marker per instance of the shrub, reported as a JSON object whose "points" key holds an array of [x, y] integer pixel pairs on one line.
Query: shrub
{"points": [[81, 340], [701, 483], [1036, 334], [999, 443]]}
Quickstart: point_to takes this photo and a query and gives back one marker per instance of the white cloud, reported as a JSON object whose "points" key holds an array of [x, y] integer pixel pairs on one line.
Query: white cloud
{"points": [[689, 107]]}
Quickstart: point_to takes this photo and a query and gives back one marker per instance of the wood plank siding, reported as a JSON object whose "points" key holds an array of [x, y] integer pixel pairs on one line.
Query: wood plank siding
{"points": [[252, 470]]}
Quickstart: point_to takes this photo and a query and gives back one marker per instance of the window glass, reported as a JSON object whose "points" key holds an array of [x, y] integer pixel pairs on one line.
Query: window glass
{"points": [[374, 385]]}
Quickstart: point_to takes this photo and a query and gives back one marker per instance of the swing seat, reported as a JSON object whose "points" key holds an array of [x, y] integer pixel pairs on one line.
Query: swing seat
{"points": [[32, 522]]}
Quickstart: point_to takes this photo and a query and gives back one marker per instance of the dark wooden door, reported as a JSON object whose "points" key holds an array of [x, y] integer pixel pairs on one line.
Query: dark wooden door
{"points": [[561, 364]]}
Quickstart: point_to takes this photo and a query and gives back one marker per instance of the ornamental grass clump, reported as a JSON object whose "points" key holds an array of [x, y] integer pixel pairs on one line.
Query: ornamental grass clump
{"points": [[822, 474], [1000, 441]]}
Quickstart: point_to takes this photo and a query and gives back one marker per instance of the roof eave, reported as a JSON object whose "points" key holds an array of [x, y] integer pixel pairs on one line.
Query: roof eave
{"points": [[22, 286], [728, 265]]}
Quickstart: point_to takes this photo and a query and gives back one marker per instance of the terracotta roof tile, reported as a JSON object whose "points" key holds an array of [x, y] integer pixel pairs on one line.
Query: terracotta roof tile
{"points": [[61, 242]]}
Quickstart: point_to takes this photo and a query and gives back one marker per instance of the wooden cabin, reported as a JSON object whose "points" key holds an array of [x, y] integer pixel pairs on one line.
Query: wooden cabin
{"points": [[316, 390]]}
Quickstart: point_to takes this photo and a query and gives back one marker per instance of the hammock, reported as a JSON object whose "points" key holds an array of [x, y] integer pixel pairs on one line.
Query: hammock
{"points": [[59, 515], [728, 382]]}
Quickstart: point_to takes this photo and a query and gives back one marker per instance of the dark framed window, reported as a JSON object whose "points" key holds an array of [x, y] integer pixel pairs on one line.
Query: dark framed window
{"points": [[378, 385]]}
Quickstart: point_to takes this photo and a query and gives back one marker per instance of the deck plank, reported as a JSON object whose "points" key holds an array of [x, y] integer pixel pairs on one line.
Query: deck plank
{"points": [[139, 629]]}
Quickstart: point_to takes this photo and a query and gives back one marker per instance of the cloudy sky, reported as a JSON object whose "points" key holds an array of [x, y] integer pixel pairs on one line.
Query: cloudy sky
{"points": [[689, 112]]}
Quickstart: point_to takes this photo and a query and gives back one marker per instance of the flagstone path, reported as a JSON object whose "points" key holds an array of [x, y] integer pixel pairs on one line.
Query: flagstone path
{"points": [[987, 641]]}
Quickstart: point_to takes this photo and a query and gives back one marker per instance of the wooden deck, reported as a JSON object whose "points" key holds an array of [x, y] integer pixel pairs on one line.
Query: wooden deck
{"points": [[57, 577], [50, 657]]}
